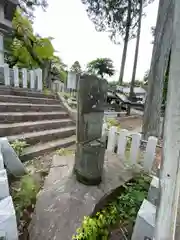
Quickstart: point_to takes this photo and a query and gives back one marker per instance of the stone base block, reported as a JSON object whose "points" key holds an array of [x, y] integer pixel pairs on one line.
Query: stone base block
{"points": [[8, 226], [145, 222], [153, 194]]}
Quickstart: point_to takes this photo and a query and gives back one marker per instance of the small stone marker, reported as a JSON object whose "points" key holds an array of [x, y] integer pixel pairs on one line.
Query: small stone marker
{"points": [[145, 222], [8, 226], [90, 148]]}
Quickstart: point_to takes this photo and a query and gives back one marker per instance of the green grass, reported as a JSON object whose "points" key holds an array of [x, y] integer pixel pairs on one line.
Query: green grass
{"points": [[19, 146], [24, 195], [64, 152]]}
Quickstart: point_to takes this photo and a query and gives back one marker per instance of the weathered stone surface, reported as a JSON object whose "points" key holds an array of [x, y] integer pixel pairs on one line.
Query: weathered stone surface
{"points": [[11, 160], [90, 146], [91, 97], [89, 162], [64, 202]]}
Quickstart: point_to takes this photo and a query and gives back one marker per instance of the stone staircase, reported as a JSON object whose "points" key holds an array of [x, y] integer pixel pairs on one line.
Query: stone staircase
{"points": [[38, 119]]}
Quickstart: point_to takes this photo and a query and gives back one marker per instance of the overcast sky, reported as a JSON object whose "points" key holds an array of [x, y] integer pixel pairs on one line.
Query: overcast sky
{"points": [[75, 37]]}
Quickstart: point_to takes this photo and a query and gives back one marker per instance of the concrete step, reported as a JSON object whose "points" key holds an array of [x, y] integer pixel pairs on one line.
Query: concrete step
{"points": [[24, 92], [27, 107], [32, 100], [24, 127], [44, 136], [42, 148], [15, 117]]}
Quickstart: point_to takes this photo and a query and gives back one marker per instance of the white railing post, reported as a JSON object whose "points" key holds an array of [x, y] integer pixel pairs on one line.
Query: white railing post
{"points": [[122, 142], [134, 150], [24, 77], [112, 139], [32, 79], [6, 75], [150, 153], [39, 79], [16, 76]]}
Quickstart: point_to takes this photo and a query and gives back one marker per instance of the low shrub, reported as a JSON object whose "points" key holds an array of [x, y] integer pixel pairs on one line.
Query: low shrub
{"points": [[113, 122], [64, 152], [25, 195], [121, 211], [19, 146]]}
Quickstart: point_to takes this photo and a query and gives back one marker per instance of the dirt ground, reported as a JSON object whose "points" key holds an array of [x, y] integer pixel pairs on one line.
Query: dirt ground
{"points": [[130, 123]]}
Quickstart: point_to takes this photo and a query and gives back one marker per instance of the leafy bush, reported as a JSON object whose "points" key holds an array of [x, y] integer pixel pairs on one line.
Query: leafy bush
{"points": [[19, 146], [113, 122], [25, 195], [122, 210]]}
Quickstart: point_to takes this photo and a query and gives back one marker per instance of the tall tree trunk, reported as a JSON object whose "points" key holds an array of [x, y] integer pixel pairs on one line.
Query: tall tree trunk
{"points": [[159, 61], [126, 39], [135, 56]]}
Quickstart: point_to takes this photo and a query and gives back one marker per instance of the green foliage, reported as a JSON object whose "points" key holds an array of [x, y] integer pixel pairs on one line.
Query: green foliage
{"points": [[111, 16], [25, 195], [101, 67], [64, 152], [25, 49], [76, 67], [47, 92], [58, 69], [113, 122], [122, 210], [28, 6], [19, 146]]}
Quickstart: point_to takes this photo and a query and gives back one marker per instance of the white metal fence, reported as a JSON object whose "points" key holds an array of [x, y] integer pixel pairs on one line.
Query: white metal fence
{"points": [[21, 78]]}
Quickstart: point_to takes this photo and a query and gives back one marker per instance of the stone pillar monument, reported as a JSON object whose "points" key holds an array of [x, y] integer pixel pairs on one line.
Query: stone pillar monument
{"points": [[90, 149]]}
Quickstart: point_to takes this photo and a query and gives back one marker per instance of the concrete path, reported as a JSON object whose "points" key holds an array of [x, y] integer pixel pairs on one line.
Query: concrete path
{"points": [[63, 203]]}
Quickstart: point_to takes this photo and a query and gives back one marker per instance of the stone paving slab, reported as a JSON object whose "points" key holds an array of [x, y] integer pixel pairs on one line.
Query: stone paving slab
{"points": [[63, 203]]}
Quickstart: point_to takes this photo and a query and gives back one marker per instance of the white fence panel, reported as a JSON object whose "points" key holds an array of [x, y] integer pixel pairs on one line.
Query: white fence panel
{"points": [[6, 75], [32, 79], [112, 139], [24, 77], [135, 144], [118, 140], [150, 153], [16, 76], [39, 79], [122, 142]]}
